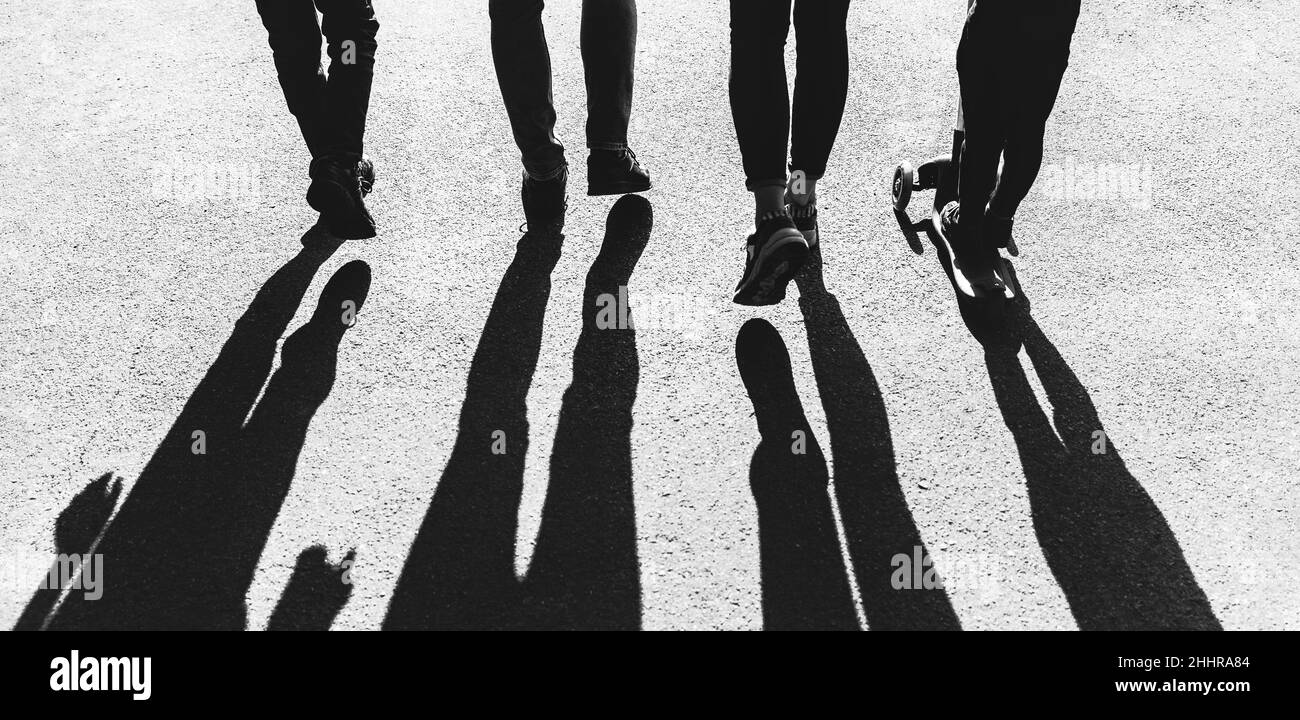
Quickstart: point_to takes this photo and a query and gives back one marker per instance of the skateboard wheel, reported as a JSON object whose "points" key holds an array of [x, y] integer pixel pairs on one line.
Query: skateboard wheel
{"points": [[904, 179]]}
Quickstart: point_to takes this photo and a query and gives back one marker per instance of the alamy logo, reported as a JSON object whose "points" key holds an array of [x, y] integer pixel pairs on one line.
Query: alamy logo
{"points": [[1132, 182], [92, 673], [67, 572]]}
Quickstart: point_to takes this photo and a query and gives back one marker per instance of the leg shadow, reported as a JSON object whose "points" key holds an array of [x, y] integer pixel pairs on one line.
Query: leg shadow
{"points": [[805, 584], [585, 573], [274, 435], [460, 571], [877, 522], [181, 552], [1115, 557]]}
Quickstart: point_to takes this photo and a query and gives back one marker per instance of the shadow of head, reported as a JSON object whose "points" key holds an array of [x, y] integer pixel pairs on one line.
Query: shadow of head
{"points": [[85, 516], [75, 532], [316, 592]]}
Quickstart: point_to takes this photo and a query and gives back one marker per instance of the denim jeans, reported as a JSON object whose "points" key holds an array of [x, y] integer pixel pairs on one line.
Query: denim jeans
{"points": [[1010, 62], [760, 104], [331, 110], [523, 65]]}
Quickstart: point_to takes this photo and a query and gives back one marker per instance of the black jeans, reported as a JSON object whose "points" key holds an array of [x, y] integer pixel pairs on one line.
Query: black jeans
{"points": [[523, 65], [1012, 57], [331, 111], [760, 101]]}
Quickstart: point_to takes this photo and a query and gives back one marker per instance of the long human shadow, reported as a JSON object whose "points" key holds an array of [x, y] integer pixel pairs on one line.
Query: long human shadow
{"points": [[460, 570], [182, 550], [1109, 547], [459, 573], [805, 584], [585, 573], [878, 525]]}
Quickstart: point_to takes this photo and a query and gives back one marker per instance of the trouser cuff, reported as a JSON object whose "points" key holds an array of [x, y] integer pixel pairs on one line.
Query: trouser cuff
{"points": [[753, 185], [551, 174]]}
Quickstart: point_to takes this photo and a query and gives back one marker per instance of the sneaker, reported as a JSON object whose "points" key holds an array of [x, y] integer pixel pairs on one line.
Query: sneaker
{"points": [[971, 256], [805, 218], [336, 193], [774, 253], [545, 202], [615, 172]]}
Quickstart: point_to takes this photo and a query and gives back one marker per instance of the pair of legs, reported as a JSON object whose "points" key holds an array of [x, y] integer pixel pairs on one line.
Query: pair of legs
{"points": [[785, 215], [760, 103], [331, 109], [523, 66], [1010, 62]]}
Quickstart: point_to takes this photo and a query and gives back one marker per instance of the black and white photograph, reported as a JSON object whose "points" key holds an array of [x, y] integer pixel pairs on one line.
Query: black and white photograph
{"points": [[661, 315]]}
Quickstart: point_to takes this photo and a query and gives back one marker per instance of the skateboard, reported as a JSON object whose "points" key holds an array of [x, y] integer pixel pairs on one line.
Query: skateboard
{"points": [[938, 174]]}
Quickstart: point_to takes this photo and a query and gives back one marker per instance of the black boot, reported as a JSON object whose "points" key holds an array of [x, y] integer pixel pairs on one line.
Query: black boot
{"points": [[615, 172], [545, 202], [338, 184]]}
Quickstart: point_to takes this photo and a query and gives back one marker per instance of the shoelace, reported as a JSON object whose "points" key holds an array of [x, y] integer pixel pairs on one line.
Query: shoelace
{"points": [[364, 182]]}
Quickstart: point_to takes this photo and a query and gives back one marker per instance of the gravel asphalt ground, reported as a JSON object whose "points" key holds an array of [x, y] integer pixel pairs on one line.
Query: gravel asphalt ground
{"points": [[152, 184]]}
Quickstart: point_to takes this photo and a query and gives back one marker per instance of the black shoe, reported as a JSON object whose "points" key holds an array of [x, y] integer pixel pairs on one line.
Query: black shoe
{"points": [[805, 219], [545, 202], [972, 257], [997, 230], [615, 172], [336, 193], [773, 255]]}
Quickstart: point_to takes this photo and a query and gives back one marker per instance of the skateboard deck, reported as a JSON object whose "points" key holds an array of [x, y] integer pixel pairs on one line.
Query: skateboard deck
{"points": [[934, 228]]}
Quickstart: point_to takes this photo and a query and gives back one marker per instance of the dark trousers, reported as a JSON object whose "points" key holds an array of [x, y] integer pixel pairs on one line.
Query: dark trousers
{"points": [[331, 110], [523, 65], [760, 104], [1010, 62]]}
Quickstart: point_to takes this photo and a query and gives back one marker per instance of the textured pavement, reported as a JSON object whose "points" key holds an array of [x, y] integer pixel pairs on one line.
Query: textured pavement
{"points": [[1164, 308]]}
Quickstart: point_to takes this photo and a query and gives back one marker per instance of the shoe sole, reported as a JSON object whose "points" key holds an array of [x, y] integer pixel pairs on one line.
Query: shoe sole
{"points": [[618, 188], [773, 270]]}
